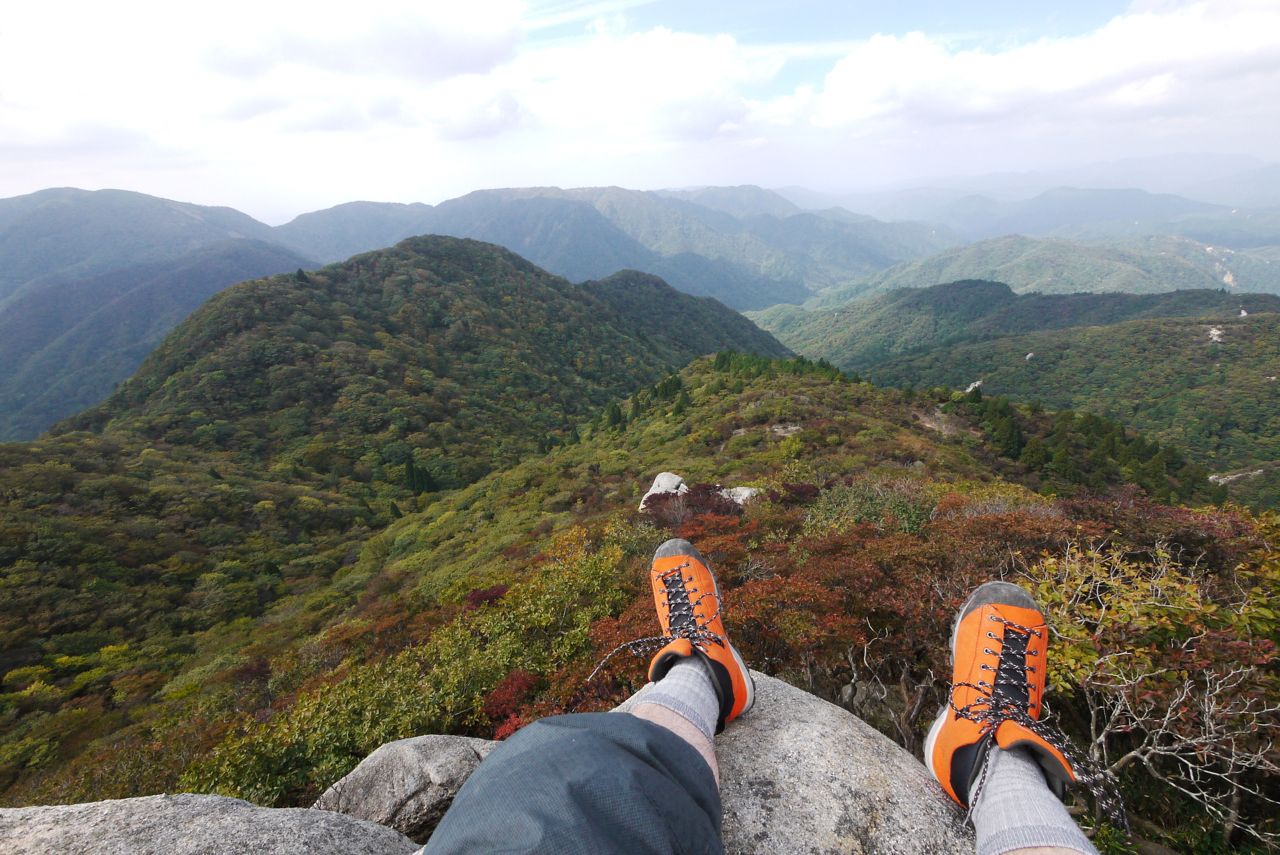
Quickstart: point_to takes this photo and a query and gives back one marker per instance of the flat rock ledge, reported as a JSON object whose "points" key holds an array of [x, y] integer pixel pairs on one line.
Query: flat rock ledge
{"points": [[801, 775], [798, 775], [189, 824]]}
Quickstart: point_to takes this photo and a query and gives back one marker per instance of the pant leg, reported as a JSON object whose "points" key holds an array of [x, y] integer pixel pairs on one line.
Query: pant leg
{"points": [[592, 783]]}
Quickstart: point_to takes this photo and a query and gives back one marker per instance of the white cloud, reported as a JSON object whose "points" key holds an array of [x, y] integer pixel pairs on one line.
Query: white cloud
{"points": [[311, 104], [1139, 63]]}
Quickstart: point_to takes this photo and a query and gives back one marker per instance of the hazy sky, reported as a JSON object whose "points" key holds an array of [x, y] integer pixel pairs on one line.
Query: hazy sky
{"points": [[279, 108]]}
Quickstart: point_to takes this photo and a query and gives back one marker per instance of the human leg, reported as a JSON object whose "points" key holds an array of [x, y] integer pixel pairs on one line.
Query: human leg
{"points": [[584, 784], [986, 746], [645, 782]]}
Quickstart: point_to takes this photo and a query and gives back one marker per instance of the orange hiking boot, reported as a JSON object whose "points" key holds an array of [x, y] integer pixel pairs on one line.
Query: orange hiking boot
{"points": [[998, 659], [688, 601]]}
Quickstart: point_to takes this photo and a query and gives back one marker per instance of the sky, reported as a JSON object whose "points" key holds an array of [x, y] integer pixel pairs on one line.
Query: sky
{"points": [[278, 108]]}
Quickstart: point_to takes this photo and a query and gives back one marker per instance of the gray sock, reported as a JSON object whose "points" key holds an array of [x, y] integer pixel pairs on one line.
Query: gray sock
{"points": [[687, 691], [1017, 810]]}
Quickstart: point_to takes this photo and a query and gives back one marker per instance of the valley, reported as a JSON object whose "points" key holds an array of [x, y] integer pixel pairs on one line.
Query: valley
{"points": [[333, 506]]}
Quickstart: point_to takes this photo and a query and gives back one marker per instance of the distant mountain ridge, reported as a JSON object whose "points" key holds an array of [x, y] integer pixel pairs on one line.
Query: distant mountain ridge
{"points": [[65, 347], [1208, 383], [747, 247], [865, 334], [68, 248], [63, 233], [451, 352], [1135, 265]]}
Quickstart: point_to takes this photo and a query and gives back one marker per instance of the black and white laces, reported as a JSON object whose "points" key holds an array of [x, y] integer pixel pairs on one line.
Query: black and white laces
{"points": [[682, 617], [1006, 698]]}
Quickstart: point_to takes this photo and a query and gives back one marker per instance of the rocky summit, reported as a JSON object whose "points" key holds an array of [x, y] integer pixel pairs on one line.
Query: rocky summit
{"points": [[798, 774]]}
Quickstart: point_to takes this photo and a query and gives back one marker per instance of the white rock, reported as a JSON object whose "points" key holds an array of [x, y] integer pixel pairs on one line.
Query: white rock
{"points": [[798, 774], [408, 784], [741, 495], [666, 482]]}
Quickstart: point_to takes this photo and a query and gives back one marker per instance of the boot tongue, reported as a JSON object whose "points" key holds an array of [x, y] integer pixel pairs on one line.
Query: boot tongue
{"points": [[1011, 676], [680, 614]]}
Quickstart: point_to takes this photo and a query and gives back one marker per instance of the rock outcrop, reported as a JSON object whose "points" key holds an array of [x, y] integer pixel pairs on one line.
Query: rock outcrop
{"points": [[189, 824], [798, 774], [408, 784]]}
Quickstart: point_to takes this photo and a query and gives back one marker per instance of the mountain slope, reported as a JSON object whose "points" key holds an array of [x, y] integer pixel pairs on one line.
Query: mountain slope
{"points": [[979, 217], [65, 233], [1253, 188], [451, 353], [746, 247], [219, 605], [337, 233], [861, 335], [742, 202], [1133, 265], [1208, 385], [65, 347]]}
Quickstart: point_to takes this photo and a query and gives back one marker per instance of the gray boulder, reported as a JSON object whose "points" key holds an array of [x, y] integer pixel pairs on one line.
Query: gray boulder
{"points": [[409, 784], [188, 824], [798, 774]]}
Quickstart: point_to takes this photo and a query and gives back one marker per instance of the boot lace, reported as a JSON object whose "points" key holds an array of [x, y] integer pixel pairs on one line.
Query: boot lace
{"points": [[1007, 698], [683, 618]]}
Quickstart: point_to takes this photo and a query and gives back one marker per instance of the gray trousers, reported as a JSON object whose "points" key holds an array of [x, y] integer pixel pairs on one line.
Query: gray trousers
{"points": [[590, 783]]}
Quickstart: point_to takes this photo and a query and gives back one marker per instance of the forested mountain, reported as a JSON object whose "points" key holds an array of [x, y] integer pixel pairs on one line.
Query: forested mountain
{"points": [[1137, 265], [62, 234], [454, 353], [746, 247], [861, 335], [751, 262], [90, 281], [979, 217], [743, 201], [190, 621], [337, 233], [65, 346], [274, 431], [1208, 384]]}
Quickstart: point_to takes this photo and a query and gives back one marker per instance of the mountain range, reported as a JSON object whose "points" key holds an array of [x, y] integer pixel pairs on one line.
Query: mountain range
{"points": [[397, 496], [1236, 181], [1194, 367], [747, 247], [861, 335], [452, 353], [90, 281], [1140, 264]]}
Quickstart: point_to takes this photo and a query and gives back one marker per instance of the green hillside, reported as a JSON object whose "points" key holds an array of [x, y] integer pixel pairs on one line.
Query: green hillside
{"points": [[1064, 208], [1138, 266], [337, 233], [272, 434], [861, 335], [743, 201], [1213, 393], [62, 234], [745, 246], [269, 676], [65, 347], [449, 353]]}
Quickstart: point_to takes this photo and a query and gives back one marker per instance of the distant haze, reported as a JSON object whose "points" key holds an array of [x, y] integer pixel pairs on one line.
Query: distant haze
{"points": [[280, 108]]}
